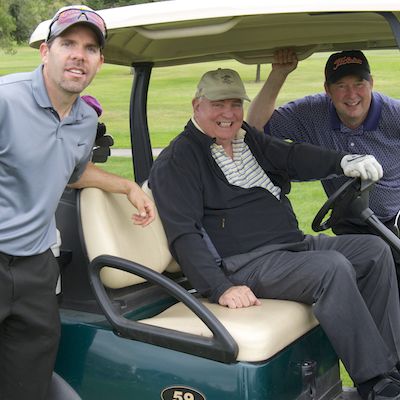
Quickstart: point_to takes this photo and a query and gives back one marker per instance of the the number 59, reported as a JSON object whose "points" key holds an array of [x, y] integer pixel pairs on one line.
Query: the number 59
{"points": [[178, 395]]}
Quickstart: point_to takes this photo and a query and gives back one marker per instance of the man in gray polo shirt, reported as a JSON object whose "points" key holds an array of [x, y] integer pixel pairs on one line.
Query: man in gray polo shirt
{"points": [[46, 139]]}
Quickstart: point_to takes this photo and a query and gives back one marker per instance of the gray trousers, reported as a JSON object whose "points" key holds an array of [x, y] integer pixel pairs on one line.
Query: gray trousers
{"points": [[351, 282], [347, 226], [29, 325]]}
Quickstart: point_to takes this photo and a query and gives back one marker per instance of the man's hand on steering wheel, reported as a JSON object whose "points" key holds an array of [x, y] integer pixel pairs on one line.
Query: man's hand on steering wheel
{"points": [[363, 166]]}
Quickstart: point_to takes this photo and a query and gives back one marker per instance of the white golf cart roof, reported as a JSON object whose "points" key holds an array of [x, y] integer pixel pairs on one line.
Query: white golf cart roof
{"points": [[183, 31]]}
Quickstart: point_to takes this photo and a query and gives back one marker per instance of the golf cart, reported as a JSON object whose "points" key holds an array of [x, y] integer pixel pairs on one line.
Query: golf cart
{"points": [[132, 325]]}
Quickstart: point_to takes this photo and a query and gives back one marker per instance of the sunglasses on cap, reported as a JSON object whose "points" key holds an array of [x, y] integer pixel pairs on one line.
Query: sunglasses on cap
{"points": [[71, 16]]}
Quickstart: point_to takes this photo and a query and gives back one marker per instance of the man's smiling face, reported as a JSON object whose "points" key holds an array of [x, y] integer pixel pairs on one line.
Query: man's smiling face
{"points": [[219, 119], [351, 96]]}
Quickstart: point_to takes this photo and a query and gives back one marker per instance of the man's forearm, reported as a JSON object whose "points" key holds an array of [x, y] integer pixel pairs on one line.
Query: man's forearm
{"points": [[96, 177], [200, 266], [263, 105]]}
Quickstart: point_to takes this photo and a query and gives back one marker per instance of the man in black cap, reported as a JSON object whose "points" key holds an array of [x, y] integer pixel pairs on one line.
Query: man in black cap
{"points": [[349, 116], [46, 139]]}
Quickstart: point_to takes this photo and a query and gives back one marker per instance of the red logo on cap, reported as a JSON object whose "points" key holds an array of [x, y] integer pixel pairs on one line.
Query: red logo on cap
{"points": [[346, 60]]}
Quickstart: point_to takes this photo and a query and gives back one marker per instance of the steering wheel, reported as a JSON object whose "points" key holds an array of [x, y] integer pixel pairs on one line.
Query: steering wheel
{"points": [[352, 196]]}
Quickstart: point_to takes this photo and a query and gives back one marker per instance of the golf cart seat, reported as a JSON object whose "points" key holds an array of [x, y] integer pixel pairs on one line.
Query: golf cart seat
{"points": [[260, 332]]}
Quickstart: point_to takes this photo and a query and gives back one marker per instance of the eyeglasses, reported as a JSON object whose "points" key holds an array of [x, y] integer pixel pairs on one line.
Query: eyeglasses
{"points": [[73, 15]]}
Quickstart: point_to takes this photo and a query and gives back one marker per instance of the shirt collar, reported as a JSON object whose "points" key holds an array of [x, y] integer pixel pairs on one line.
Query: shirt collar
{"points": [[373, 116], [39, 88], [42, 98], [197, 125]]}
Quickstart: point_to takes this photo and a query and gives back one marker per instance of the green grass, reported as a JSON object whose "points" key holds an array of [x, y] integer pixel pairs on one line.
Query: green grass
{"points": [[120, 166], [172, 88], [169, 105]]}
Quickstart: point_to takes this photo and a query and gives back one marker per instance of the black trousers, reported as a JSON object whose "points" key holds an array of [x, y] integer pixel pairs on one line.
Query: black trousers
{"points": [[350, 281], [29, 325]]}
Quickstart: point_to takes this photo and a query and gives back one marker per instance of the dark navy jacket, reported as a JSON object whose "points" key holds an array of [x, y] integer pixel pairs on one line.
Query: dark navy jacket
{"points": [[191, 192]]}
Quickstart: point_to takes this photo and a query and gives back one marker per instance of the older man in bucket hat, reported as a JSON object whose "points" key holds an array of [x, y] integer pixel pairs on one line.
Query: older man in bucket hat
{"points": [[221, 191], [46, 138]]}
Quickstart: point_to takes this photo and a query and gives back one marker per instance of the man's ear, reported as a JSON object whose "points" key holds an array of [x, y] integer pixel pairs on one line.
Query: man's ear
{"points": [[327, 91], [195, 104], [43, 49], [101, 62]]}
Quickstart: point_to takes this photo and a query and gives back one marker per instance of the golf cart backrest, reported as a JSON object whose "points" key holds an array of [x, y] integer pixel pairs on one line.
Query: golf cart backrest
{"points": [[108, 229], [260, 332]]}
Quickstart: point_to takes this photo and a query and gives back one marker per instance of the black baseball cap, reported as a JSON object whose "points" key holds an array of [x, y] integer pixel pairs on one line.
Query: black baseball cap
{"points": [[352, 62]]}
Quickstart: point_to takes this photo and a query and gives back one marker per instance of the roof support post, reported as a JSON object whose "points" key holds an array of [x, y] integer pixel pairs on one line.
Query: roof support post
{"points": [[142, 155], [394, 25]]}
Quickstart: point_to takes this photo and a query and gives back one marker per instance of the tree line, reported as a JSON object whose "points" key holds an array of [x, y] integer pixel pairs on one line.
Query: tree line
{"points": [[18, 18]]}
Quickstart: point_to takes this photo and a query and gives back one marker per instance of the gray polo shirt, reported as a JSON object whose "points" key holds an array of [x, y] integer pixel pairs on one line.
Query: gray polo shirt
{"points": [[39, 155], [313, 119]]}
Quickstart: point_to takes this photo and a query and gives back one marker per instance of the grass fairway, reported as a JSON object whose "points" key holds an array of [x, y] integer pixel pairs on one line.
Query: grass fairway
{"points": [[169, 105], [172, 88]]}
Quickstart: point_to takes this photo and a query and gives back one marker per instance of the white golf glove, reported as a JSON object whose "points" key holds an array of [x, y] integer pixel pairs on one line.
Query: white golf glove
{"points": [[364, 166]]}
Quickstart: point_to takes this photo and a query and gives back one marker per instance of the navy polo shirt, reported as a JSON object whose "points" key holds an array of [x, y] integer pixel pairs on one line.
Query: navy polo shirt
{"points": [[313, 119], [39, 155]]}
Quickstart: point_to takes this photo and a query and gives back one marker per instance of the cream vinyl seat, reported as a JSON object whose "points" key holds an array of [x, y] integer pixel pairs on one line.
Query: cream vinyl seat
{"points": [[260, 331]]}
